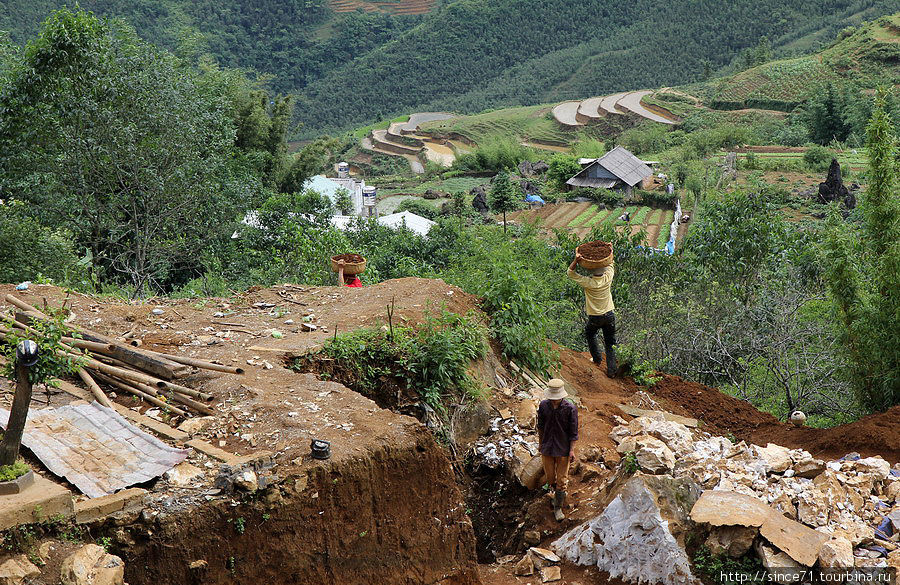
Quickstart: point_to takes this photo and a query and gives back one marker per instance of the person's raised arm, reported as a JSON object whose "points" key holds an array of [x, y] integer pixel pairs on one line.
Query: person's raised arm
{"points": [[575, 261], [340, 273]]}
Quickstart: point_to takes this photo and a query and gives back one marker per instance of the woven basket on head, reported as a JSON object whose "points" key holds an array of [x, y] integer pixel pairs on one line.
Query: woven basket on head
{"points": [[594, 264], [350, 268]]}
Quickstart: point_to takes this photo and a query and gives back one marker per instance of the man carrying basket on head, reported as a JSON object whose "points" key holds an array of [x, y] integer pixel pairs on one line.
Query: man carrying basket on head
{"points": [[598, 304]]}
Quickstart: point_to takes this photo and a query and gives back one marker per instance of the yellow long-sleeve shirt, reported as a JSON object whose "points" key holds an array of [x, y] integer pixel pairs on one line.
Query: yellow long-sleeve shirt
{"points": [[597, 295]]}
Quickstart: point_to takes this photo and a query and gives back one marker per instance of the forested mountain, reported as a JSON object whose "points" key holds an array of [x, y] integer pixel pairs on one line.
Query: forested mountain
{"points": [[294, 41], [477, 54], [467, 55]]}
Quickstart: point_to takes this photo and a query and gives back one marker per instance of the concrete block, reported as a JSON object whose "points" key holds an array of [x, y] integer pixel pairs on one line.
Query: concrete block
{"points": [[41, 501], [96, 508]]}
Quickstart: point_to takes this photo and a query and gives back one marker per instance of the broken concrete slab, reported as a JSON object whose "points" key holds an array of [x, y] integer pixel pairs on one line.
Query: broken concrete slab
{"points": [[43, 500], [639, 536], [94, 509], [723, 508]]}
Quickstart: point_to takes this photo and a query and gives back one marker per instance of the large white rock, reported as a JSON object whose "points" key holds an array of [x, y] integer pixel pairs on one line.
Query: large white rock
{"points": [[91, 565], [640, 534], [836, 553], [676, 436], [776, 457], [653, 455], [875, 466]]}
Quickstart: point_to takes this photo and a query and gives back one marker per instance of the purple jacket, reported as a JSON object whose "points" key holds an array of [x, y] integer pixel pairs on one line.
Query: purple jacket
{"points": [[558, 427]]}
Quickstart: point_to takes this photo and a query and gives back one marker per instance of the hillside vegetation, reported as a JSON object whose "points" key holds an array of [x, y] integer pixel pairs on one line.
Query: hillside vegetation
{"points": [[294, 42], [867, 56], [350, 67], [472, 55]]}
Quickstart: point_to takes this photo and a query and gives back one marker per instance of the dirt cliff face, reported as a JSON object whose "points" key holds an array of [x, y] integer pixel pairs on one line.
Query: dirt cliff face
{"points": [[394, 516]]}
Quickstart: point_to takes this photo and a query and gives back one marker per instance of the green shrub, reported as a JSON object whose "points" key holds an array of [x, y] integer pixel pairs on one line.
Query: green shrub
{"points": [[30, 251], [493, 156], [14, 471], [432, 358], [817, 158], [419, 208]]}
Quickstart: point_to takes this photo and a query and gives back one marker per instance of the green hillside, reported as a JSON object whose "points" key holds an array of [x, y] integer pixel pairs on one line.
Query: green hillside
{"points": [[867, 56], [473, 55], [350, 68], [294, 41]]}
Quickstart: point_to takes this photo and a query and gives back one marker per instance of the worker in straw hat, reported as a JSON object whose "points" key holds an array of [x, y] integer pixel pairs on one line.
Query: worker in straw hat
{"points": [[598, 304], [557, 425]]}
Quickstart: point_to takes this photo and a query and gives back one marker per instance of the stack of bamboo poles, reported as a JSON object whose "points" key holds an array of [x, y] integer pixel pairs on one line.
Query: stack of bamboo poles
{"points": [[146, 374]]}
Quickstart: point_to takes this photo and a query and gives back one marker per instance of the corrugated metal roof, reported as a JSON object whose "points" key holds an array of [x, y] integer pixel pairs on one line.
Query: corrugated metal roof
{"points": [[625, 165], [95, 448], [592, 183]]}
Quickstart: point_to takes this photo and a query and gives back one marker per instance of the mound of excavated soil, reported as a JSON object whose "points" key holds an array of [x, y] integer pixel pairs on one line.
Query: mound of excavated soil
{"points": [[877, 434]]}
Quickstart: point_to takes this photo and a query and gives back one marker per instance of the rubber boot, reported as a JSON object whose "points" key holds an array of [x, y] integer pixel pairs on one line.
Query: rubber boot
{"points": [[559, 499], [611, 369]]}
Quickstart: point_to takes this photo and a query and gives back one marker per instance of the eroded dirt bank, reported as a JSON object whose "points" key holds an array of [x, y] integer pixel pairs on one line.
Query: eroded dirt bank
{"points": [[395, 516]]}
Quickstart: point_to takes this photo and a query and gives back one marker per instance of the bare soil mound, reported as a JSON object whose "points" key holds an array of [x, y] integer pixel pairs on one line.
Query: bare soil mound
{"points": [[876, 434]]}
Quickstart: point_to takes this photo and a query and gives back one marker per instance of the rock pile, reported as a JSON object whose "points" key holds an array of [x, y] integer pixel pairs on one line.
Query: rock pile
{"points": [[789, 508], [541, 561]]}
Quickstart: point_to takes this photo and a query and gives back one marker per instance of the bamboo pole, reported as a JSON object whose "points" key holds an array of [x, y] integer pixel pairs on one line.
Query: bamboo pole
{"points": [[155, 364], [122, 385], [185, 390], [24, 306], [202, 364], [199, 407], [94, 388]]}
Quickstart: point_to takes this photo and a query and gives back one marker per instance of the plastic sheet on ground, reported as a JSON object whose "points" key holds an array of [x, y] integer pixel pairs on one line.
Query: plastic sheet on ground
{"points": [[95, 448]]}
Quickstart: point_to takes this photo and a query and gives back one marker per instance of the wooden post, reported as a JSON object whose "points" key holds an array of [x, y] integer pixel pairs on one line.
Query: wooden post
{"points": [[12, 439]]}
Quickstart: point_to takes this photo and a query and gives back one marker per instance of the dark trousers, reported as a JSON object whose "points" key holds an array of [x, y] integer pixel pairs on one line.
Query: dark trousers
{"points": [[607, 324]]}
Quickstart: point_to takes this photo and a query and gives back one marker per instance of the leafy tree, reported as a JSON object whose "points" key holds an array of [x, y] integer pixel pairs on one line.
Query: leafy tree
{"points": [[562, 167], [734, 236], [863, 272], [503, 196], [122, 144], [30, 251], [343, 201]]}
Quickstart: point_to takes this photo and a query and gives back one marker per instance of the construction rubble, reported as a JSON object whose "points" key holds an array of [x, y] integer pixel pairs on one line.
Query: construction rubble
{"points": [[789, 509]]}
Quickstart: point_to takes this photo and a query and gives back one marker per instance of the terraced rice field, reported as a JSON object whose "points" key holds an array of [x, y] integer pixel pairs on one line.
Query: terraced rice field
{"points": [[591, 110], [390, 7], [581, 218]]}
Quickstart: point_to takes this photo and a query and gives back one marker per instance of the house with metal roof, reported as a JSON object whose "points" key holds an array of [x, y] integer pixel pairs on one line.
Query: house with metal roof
{"points": [[617, 169]]}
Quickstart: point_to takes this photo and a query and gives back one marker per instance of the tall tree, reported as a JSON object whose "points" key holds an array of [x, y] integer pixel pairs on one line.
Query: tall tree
{"points": [[502, 197], [120, 143], [863, 273]]}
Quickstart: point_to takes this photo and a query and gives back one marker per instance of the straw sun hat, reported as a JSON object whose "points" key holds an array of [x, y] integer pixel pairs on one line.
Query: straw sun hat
{"points": [[556, 391]]}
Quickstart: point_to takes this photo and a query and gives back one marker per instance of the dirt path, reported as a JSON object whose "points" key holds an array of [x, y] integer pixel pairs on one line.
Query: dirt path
{"points": [[565, 114]]}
